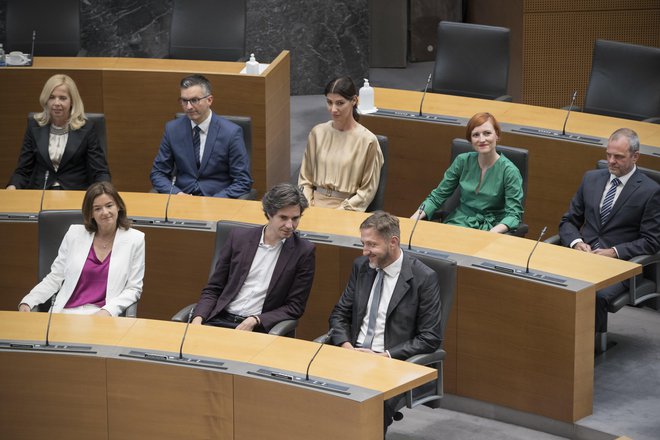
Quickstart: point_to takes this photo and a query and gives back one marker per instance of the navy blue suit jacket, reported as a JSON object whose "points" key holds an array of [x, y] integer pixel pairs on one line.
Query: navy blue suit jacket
{"points": [[289, 286], [82, 164], [633, 227], [225, 166]]}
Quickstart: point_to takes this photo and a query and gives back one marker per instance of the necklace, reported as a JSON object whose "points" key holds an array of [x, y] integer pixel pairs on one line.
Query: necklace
{"points": [[58, 130], [105, 244]]}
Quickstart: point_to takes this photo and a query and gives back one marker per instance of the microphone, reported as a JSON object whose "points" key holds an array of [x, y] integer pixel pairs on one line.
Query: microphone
{"points": [[545, 228], [428, 81], [50, 315], [419, 213], [167, 206], [43, 191], [185, 332], [34, 37], [326, 339], [570, 107]]}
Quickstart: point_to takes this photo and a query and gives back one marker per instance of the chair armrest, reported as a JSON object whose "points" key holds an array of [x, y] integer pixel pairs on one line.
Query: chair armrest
{"points": [[250, 195], [653, 120], [505, 98], [520, 231], [428, 358], [646, 259], [553, 240], [321, 338], [284, 328], [131, 311], [182, 315]]}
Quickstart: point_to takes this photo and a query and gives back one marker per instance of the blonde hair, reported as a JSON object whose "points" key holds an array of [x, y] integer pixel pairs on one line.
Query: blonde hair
{"points": [[77, 114]]}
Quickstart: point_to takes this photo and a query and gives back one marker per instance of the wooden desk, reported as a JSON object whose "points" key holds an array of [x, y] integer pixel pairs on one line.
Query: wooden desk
{"points": [[106, 396], [504, 333], [556, 166], [138, 96]]}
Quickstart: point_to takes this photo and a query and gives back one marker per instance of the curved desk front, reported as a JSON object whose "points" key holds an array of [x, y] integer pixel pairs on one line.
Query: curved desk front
{"points": [[104, 392], [511, 340]]}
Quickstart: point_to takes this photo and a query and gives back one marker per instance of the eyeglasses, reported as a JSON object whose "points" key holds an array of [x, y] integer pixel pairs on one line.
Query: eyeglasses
{"points": [[193, 101]]}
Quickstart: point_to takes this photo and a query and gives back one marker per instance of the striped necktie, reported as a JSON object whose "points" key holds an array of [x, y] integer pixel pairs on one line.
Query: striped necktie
{"points": [[608, 201], [196, 143]]}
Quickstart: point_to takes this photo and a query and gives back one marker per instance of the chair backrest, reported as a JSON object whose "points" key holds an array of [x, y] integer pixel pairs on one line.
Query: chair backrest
{"points": [[222, 230], [446, 270], [518, 156], [57, 24], [245, 122], [99, 123], [653, 174], [208, 30], [471, 60], [379, 199], [53, 226], [624, 81]]}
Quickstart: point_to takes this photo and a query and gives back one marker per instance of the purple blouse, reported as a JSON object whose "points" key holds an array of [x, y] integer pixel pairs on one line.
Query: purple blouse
{"points": [[93, 282]]}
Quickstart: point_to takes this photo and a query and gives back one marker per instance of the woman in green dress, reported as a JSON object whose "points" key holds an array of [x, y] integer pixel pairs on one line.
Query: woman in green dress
{"points": [[491, 185]]}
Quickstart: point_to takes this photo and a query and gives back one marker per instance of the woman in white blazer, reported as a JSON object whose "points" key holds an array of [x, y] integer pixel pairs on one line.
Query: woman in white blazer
{"points": [[100, 265]]}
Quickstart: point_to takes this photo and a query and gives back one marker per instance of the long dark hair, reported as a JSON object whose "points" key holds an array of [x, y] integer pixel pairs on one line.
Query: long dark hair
{"points": [[345, 87]]}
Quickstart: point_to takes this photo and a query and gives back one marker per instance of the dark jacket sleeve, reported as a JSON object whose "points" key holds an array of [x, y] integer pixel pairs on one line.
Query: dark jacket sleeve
{"points": [[26, 161], [341, 317]]}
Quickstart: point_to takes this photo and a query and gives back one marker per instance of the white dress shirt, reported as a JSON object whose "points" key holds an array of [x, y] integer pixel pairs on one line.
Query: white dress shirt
{"points": [[391, 276], [250, 299]]}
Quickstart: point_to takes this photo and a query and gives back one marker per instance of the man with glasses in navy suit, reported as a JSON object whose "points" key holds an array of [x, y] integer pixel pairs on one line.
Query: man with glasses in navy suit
{"points": [[206, 153]]}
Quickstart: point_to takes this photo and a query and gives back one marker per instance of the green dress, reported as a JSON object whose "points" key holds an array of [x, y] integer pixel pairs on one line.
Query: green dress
{"points": [[499, 199]]}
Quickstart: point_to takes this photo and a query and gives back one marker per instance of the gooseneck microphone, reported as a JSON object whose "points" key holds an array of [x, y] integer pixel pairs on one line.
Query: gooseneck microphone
{"points": [[43, 191], [50, 315], [545, 228], [428, 81], [34, 37], [185, 332], [169, 196], [570, 107], [326, 339], [419, 214]]}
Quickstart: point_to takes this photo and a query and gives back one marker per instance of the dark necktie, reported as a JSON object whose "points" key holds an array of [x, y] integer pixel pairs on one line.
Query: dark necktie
{"points": [[373, 311], [196, 143], [608, 201]]}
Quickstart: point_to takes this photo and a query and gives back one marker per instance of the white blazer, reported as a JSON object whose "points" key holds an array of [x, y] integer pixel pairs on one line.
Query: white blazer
{"points": [[124, 274]]}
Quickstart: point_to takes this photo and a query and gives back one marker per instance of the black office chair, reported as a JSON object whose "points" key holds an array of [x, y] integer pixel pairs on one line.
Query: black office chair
{"points": [[57, 26], [518, 156], [53, 226], [223, 227], [245, 122], [430, 394], [472, 60], [99, 123], [644, 288], [624, 81], [208, 30], [379, 199]]}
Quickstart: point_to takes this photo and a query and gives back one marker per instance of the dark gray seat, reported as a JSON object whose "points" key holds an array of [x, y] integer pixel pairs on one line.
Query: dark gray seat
{"points": [[379, 199], [472, 60], [624, 81], [208, 30], [245, 122], [223, 228], [518, 156], [57, 24], [53, 226], [644, 288]]}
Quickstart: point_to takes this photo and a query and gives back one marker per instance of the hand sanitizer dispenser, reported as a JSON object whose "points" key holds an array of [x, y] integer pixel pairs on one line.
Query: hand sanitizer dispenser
{"points": [[366, 104], [252, 66]]}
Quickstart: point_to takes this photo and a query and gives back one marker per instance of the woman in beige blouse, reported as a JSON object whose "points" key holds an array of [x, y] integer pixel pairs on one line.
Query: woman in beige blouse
{"points": [[342, 161]]}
